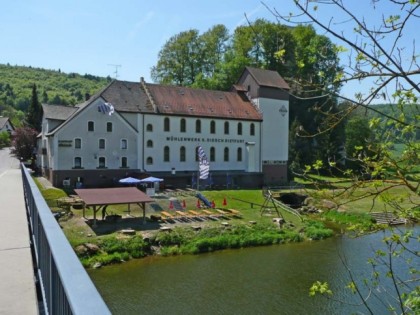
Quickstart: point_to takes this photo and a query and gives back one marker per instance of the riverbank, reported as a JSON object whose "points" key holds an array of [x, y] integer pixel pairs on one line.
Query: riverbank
{"points": [[127, 236], [188, 240]]}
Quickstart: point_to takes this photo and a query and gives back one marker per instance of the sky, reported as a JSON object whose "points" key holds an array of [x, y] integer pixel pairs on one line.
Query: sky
{"points": [[122, 38]]}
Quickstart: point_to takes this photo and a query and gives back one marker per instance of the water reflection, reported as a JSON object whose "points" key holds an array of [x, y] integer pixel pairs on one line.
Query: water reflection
{"points": [[263, 280]]}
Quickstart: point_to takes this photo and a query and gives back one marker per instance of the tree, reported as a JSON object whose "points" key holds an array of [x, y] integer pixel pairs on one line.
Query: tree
{"points": [[4, 139], [358, 139], [34, 114], [387, 68], [215, 59], [179, 60], [24, 143], [308, 61]]}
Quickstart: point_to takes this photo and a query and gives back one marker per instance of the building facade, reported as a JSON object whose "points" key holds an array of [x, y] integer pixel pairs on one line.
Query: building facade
{"points": [[6, 125], [141, 129]]}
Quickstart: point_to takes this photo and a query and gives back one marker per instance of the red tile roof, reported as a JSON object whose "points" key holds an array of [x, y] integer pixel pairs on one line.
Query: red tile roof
{"points": [[175, 100]]}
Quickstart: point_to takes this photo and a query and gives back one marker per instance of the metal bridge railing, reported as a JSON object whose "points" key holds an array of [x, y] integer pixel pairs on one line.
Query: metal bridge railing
{"points": [[66, 287]]}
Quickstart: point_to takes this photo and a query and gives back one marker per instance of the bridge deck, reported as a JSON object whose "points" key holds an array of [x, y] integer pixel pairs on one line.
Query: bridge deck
{"points": [[17, 287]]}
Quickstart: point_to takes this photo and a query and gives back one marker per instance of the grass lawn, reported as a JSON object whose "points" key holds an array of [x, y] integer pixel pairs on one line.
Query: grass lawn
{"points": [[214, 234]]}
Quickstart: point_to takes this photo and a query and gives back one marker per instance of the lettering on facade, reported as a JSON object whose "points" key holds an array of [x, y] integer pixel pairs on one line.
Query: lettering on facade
{"points": [[196, 139], [274, 162], [65, 143]]}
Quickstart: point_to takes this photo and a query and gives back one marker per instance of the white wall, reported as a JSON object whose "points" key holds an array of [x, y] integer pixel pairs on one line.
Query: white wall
{"points": [[275, 130], [190, 140], [90, 152], [7, 127]]}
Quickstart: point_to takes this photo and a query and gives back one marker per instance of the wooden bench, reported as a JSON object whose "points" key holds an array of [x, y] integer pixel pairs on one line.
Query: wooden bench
{"points": [[165, 215], [224, 214], [182, 215], [235, 213], [195, 214], [211, 214]]}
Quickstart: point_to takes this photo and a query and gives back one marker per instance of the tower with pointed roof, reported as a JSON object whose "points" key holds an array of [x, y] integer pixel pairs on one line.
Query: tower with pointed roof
{"points": [[269, 93]]}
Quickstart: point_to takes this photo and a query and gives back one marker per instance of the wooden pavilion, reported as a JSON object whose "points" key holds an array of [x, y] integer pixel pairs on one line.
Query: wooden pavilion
{"points": [[98, 198]]}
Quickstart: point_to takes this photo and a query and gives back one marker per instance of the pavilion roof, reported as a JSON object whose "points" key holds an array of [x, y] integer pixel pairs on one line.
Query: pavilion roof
{"points": [[112, 196]]}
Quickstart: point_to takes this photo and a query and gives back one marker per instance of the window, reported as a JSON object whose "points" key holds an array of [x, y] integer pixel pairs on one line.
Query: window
{"points": [[77, 143], [124, 162], [123, 144], [102, 144], [213, 127], [198, 126], [149, 161], [109, 126], [91, 126], [212, 154], [149, 144], [77, 162], [166, 155], [252, 129], [183, 127], [226, 155], [226, 127], [149, 127], [102, 162], [182, 156], [166, 125], [239, 155], [239, 128]]}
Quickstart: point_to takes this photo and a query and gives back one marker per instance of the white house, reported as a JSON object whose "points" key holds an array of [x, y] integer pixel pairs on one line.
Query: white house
{"points": [[134, 129], [6, 125]]}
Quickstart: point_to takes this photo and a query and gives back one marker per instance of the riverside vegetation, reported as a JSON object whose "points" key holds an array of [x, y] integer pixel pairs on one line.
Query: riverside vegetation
{"points": [[95, 248]]}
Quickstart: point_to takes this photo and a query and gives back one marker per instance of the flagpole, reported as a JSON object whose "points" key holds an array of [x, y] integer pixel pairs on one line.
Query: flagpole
{"points": [[198, 174], [203, 166]]}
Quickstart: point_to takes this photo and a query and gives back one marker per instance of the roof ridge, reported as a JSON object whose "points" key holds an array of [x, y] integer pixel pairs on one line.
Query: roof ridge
{"points": [[149, 95], [189, 88]]}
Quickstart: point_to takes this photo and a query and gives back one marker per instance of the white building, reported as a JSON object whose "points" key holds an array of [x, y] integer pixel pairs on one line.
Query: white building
{"points": [[156, 129], [6, 125]]}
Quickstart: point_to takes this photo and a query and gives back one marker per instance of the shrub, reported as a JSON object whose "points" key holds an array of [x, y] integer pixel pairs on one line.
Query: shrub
{"points": [[170, 250], [354, 221], [135, 246], [176, 237], [317, 231], [4, 139]]}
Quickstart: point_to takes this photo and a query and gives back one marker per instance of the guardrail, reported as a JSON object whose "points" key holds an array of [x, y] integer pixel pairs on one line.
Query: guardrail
{"points": [[65, 285]]}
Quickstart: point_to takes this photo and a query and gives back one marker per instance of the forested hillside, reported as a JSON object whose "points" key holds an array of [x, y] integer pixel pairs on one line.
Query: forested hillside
{"points": [[53, 86]]}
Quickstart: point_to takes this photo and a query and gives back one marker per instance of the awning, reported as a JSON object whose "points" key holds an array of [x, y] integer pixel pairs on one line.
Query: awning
{"points": [[151, 179], [129, 180]]}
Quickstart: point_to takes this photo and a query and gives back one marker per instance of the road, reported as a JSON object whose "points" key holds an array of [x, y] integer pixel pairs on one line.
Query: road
{"points": [[7, 161], [17, 286]]}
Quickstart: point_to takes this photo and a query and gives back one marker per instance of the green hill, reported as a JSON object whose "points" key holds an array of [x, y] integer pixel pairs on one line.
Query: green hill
{"points": [[54, 87]]}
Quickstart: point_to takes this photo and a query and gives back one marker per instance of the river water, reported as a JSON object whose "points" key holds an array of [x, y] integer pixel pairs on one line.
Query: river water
{"points": [[262, 280]]}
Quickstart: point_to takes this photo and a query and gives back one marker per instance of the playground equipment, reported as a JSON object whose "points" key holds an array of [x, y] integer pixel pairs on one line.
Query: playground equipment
{"points": [[203, 200], [269, 199]]}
